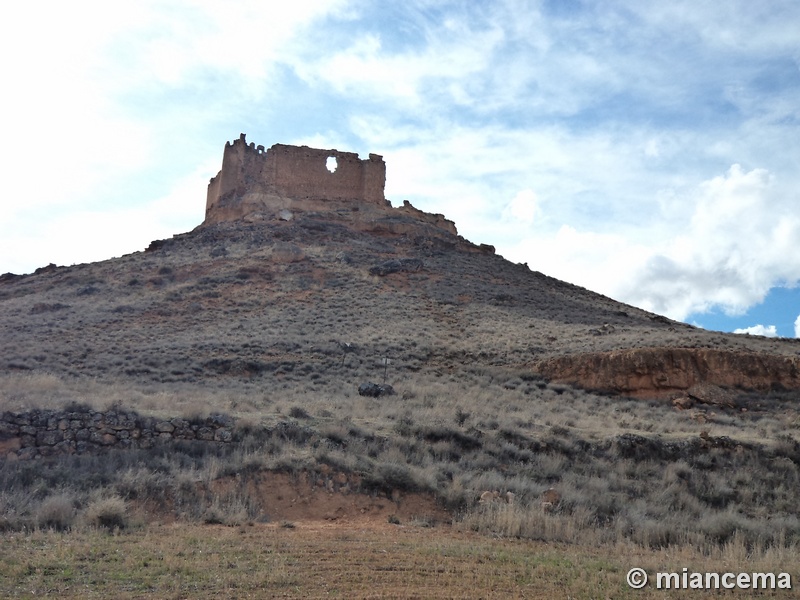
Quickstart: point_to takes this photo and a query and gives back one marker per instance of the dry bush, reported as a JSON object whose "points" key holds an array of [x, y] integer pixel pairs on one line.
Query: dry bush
{"points": [[231, 510], [298, 412], [56, 512], [107, 513]]}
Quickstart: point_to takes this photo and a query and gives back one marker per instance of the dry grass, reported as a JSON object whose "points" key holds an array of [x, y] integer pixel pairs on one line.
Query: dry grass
{"points": [[354, 560], [625, 470], [189, 313], [486, 398], [213, 322]]}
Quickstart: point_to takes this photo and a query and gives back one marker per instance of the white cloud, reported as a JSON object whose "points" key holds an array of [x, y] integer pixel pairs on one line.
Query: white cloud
{"points": [[92, 235], [523, 208], [765, 330], [737, 244], [797, 327], [738, 25], [451, 52]]}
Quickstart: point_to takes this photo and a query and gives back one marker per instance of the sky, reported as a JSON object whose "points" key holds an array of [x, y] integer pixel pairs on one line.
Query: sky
{"points": [[646, 151]]}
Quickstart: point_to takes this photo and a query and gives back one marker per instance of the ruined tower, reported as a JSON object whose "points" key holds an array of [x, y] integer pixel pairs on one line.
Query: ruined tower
{"points": [[258, 181]]}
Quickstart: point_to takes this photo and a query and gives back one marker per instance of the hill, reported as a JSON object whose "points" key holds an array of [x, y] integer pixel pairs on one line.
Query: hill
{"points": [[271, 285], [286, 299]]}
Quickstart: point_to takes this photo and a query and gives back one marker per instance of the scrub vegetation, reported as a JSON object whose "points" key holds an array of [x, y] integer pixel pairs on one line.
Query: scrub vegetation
{"points": [[622, 469], [218, 322]]}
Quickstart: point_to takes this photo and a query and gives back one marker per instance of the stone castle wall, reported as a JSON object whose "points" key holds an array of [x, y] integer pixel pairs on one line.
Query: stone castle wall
{"points": [[40, 433], [290, 173]]}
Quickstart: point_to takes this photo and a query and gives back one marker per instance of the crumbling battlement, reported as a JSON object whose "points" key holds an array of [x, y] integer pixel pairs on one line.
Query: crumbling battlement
{"points": [[257, 184], [283, 177]]}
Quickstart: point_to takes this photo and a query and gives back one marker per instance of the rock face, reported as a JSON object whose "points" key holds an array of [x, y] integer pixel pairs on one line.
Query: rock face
{"points": [[436, 219], [653, 372]]}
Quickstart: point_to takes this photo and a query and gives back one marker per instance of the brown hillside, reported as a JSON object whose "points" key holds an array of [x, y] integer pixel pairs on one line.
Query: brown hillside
{"points": [[278, 281], [214, 378]]}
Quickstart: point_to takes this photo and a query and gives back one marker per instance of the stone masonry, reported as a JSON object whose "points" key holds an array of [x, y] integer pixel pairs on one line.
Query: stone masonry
{"points": [[281, 182], [40, 433], [291, 177]]}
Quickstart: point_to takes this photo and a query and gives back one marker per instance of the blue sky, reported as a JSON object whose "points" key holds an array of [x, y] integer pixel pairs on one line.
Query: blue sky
{"points": [[648, 151]]}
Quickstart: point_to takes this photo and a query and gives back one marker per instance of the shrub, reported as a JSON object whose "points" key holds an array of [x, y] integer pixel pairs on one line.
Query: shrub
{"points": [[389, 476], [56, 512], [721, 527], [298, 412], [107, 513], [213, 516]]}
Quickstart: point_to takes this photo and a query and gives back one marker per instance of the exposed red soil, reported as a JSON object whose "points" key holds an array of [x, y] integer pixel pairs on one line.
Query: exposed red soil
{"points": [[654, 372], [332, 498]]}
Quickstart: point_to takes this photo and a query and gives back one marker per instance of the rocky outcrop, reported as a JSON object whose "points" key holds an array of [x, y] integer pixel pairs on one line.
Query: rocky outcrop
{"points": [[435, 219], [39, 433], [397, 265], [654, 372]]}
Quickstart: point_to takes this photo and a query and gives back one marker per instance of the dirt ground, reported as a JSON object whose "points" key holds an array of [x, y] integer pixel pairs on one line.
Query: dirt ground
{"points": [[330, 499], [360, 557]]}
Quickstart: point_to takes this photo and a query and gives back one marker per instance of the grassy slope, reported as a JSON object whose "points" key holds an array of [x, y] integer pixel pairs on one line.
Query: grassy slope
{"points": [[249, 320]]}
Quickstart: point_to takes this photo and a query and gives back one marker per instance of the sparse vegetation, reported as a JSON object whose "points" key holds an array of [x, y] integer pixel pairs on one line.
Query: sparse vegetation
{"points": [[625, 470], [197, 327], [316, 560], [55, 512]]}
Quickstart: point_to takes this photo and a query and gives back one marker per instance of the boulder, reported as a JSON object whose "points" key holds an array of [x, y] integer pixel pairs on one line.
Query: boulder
{"points": [[397, 265], [489, 497], [375, 390], [705, 393]]}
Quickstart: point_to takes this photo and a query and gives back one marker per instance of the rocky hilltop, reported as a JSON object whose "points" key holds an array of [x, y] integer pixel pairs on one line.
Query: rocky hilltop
{"points": [[304, 275], [257, 184], [312, 352]]}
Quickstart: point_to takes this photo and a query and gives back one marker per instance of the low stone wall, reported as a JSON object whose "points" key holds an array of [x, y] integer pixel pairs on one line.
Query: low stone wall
{"points": [[38, 433]]}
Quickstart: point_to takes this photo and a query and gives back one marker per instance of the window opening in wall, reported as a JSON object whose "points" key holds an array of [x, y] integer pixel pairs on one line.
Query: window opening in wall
{"points": [[331, 164]]}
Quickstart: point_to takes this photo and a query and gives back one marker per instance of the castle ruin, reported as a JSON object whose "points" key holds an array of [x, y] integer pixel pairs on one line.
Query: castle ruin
{"points": [[255, 183], [291, 177]]}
